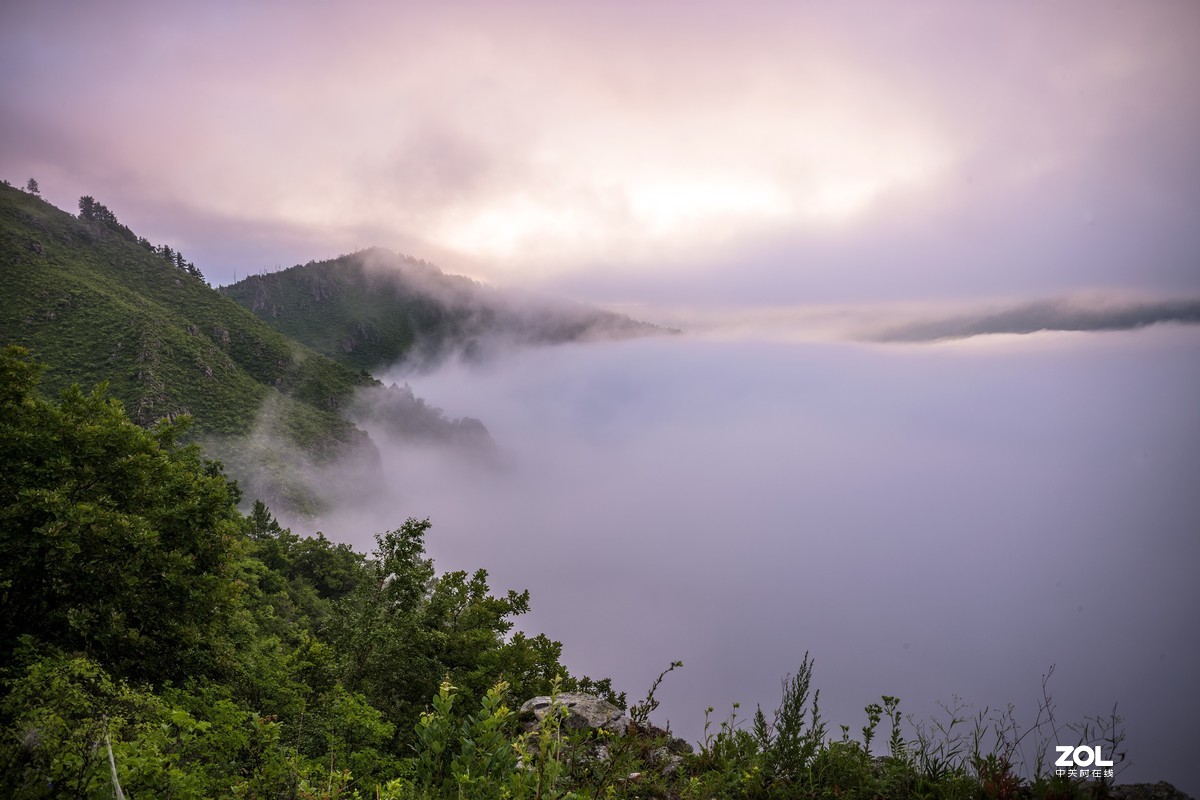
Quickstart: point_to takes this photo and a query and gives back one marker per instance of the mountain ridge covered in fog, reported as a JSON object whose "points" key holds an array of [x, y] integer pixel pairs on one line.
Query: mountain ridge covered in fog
{"points": [[374, 308], [99, 304]]}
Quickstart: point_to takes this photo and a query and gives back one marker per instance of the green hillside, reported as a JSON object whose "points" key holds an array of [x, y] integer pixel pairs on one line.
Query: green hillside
{"points": [[374, 308], [98, 304], [99, 307]]}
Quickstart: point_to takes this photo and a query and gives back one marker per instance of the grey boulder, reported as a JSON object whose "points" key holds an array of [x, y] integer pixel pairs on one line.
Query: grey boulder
{"points": [[583, 712]]}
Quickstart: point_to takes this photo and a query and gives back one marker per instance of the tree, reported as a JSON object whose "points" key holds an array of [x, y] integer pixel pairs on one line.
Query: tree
{"points": [[92, 210], [403, 629], [32, 187], [114, 540]]}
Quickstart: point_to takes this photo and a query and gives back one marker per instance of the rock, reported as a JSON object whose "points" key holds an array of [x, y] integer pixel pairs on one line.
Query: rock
{"points": [[668, 763], [1147, 791], [584, 712]]}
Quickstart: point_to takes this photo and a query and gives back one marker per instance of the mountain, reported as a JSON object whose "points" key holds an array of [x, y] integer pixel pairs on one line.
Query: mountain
{"points": [[375, 308], [96, 306], [96, 303], [274, 370]]}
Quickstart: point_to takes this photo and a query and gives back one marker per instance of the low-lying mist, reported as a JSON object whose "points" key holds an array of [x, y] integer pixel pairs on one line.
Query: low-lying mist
{"points": [[928, 521]]}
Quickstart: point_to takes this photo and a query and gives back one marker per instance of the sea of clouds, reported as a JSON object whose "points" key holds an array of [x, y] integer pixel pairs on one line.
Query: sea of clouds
{"points": [[927, 520]]}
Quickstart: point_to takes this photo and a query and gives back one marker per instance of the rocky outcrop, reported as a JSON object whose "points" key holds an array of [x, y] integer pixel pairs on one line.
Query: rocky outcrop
{"points": [[586, 713], [583, 712]]}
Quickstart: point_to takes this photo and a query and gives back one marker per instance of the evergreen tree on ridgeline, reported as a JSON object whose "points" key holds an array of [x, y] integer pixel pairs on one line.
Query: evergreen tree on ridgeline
{"points": [[94, 211]]}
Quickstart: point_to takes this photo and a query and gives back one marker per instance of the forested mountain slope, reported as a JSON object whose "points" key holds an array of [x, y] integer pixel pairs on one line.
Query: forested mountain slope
{"points": [[97, 303], [374, 308]]}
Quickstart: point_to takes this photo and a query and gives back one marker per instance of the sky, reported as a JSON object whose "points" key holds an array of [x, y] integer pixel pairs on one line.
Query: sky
{"points": [[858, 212], [696, 156]]}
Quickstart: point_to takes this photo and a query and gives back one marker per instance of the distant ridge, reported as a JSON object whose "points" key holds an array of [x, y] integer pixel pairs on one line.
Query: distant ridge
{"points": [[374, 308]]}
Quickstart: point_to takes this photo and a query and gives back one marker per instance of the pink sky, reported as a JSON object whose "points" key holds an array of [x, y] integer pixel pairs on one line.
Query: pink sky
{"points": [[668, 153]]}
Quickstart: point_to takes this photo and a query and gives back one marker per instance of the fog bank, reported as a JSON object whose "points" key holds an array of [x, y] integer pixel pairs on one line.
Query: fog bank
{"points": [[927, 521]]}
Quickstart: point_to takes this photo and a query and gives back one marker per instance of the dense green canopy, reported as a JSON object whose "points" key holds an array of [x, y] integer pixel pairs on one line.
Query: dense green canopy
{"points": [[217, 651]]}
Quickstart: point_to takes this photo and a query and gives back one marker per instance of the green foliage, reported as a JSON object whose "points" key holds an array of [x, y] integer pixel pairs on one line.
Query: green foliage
{"points": [[481, 756], [544, 748], [792, 758], [220, 654], [63, 713], [99, 304], [472, 757], [93, 211], [485, 753], [115, 539], [403, 629], [787, 746]]}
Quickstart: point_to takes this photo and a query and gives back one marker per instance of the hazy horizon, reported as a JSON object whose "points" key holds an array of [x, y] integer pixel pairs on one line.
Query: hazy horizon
{"points": [[757, 154]]}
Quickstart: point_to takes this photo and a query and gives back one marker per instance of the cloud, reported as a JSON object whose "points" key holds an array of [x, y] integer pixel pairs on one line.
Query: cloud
{"points": [[1045, 315], [270, 465], [543, 139], [925, 521]]}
